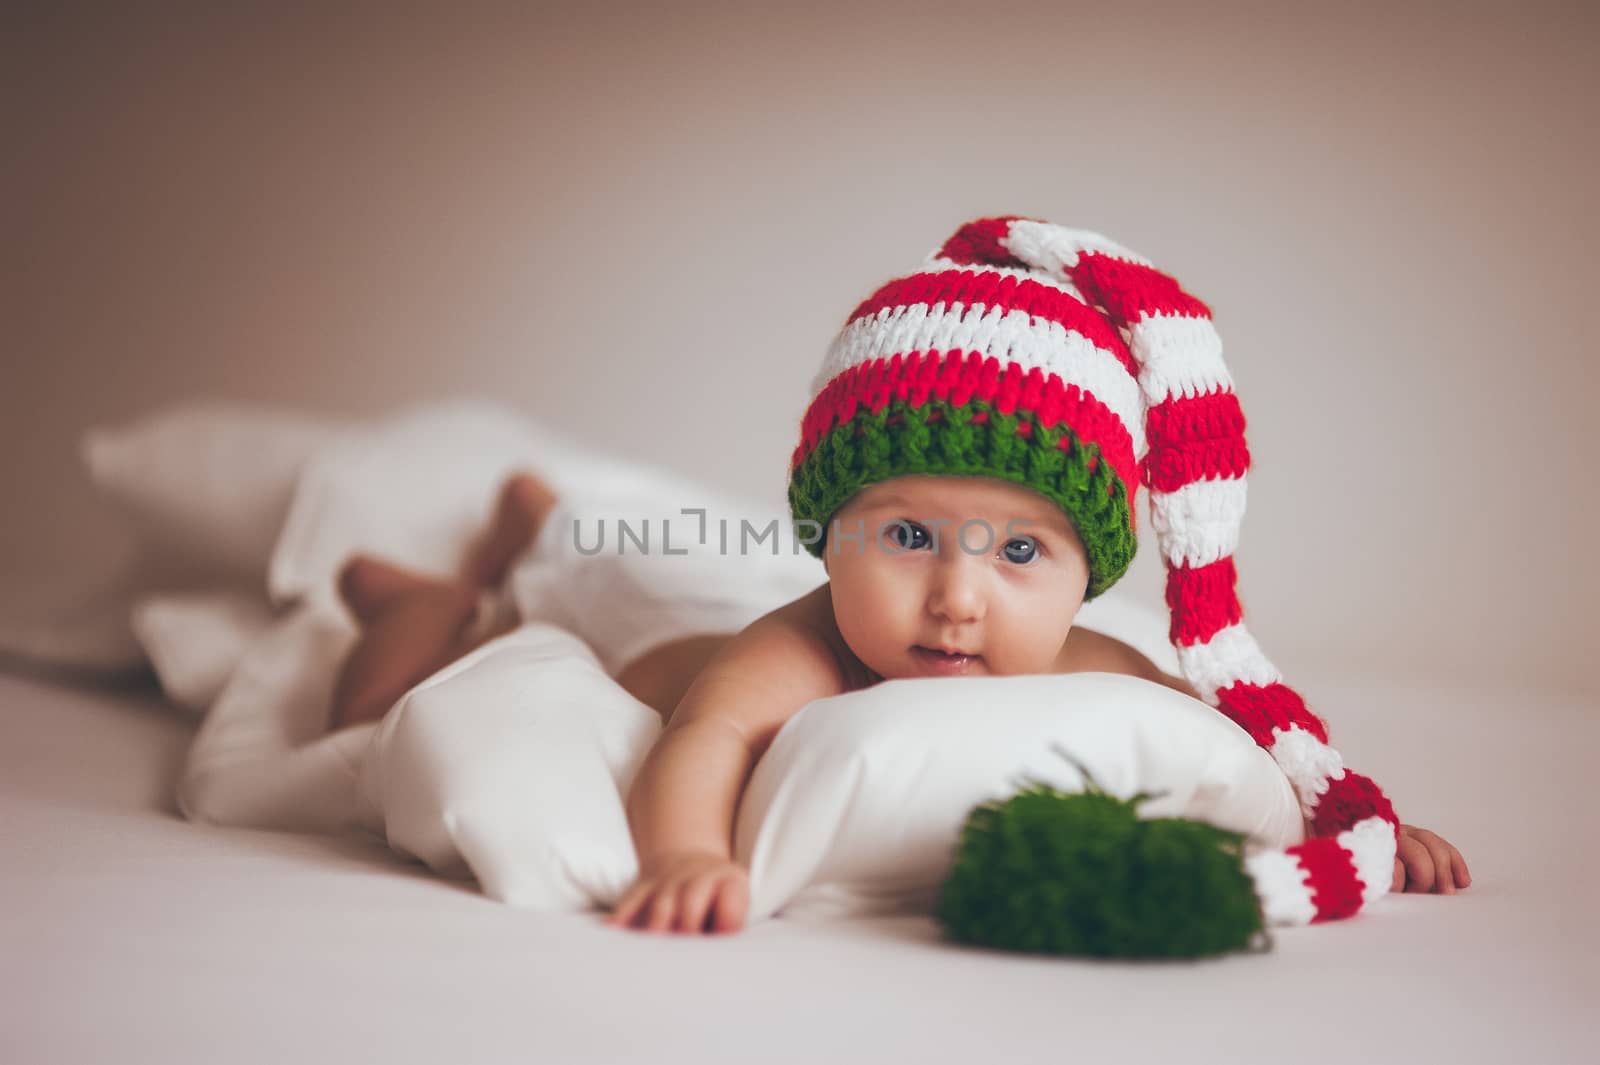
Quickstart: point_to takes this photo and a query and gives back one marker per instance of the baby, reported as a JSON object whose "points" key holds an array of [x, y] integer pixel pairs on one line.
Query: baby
{"points": [[967, 471]]}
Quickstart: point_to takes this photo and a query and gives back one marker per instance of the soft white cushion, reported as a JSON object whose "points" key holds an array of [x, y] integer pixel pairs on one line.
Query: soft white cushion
{"points": [[858, 805], [194, 640], [204, 488], [515, 762], [263, 757], [419, 487], [510, 764], [207, 484]]}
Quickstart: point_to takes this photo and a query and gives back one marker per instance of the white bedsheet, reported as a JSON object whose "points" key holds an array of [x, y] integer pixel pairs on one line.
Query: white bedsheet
{"points": [[129, 935]]}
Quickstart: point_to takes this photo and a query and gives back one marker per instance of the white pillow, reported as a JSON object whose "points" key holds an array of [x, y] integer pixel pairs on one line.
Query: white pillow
{"points": [[513, 764], [194, 640], [510, 765], [204, 487], [263, 756], [418, 488], [207, 484], [858, 805]]}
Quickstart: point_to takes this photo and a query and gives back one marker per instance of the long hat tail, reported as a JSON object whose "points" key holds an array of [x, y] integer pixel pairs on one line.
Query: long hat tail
{"points": [[1195, 469]]}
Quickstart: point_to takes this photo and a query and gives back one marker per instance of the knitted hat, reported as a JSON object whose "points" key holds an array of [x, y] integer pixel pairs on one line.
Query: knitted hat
{"points": [[1058, 360]]}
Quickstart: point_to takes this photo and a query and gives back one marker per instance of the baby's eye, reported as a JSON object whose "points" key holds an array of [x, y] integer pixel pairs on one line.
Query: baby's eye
{"points": [[907, 535], [1021, 550]]}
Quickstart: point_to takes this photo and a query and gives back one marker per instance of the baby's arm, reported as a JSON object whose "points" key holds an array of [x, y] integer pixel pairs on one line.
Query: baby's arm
{"points": [[685, 798]]}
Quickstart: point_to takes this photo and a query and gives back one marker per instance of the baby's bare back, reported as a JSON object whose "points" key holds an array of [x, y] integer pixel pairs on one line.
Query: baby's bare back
{"points": [[661, 676]]}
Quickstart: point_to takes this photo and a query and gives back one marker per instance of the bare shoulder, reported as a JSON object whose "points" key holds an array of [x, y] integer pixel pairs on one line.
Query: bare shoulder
{"points": [[1088, 651], [764, 675]]}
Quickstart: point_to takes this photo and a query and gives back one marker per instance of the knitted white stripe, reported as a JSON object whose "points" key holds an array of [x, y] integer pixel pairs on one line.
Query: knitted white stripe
{"points": [[1010, 336], [1057, 248], [1230, 655], [1178, 356], [1281, 887], [1281, 882], [1308, 763], [934, 264], [1199, 523], [1371, 844]]}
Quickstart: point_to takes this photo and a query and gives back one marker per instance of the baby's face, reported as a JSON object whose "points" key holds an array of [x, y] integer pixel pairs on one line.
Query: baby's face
{"points": [[1003, 596]]}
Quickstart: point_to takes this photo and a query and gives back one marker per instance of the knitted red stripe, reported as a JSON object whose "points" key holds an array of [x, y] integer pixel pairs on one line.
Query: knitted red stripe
{"points": [[1131, 291], [979, 242], [959, 378], [1262, 709], [1194, 438], [1348, 801], [969, 287], [1202, 601], [1331, 876]]}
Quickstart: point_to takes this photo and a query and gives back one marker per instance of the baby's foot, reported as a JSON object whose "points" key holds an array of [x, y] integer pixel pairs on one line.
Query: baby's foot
{"points": [[369, 585], [525, 501]]}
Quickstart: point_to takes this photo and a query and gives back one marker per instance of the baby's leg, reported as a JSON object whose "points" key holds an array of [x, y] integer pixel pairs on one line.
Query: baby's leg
{"points": [[418, 632], [414, 625], [369, 586], [519, 513]]}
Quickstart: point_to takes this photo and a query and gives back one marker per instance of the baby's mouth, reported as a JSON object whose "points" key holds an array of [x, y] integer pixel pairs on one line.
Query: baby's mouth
{"points": [[937, 661]]}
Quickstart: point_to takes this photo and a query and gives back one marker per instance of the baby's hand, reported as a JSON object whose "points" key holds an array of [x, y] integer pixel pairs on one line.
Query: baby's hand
{"points": [[686, 891], [1425, 861]]}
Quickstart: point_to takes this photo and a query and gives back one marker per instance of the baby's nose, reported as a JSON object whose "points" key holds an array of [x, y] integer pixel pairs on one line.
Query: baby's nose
{"points": [[957, 591]]}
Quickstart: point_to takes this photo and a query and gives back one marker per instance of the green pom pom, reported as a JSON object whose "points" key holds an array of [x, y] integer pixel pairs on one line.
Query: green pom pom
{"points": [[1055, 873]]}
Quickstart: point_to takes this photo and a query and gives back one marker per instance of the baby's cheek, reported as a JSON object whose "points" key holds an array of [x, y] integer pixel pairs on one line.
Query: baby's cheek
{"points": [[866, 643], [1034, 652]]}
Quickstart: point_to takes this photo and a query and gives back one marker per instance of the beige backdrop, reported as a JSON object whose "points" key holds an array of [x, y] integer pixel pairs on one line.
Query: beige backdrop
{"points": [[646, 224]]}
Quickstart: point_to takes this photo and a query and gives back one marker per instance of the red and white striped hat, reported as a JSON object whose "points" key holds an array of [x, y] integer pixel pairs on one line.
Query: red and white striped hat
{"points": [[1056, 359]]}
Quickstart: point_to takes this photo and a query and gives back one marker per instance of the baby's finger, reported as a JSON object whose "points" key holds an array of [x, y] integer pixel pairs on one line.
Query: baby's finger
{"points": [[1419, 865], [1450, 868], [697, 895], [640, 909], [662, 909], [627, 906], [733, 905], [1459, 865], [1444, 882]]}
